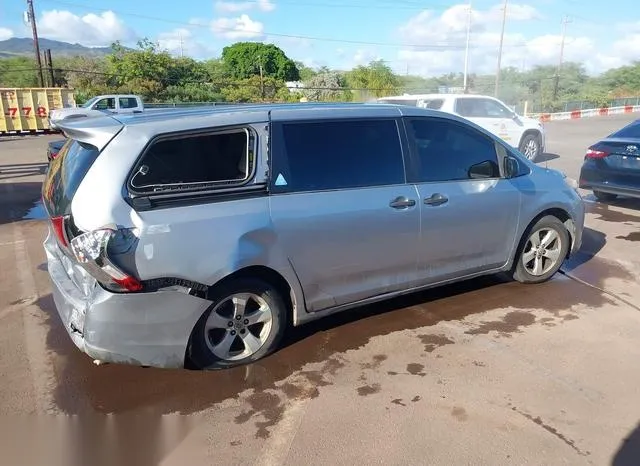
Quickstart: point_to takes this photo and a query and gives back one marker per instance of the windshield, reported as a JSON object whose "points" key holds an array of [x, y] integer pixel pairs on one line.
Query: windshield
{"points": [[89, 103]]}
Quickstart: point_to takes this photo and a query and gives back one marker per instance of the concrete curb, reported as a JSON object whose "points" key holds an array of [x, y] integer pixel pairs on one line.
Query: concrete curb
{"points": [[587, 113]]}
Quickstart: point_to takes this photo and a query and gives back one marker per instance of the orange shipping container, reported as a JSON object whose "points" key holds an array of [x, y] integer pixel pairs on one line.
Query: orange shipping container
{"points": [[27, 109]]}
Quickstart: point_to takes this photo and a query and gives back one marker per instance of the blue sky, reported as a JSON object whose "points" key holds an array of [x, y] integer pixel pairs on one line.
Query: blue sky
{"points": [[419, 36]]}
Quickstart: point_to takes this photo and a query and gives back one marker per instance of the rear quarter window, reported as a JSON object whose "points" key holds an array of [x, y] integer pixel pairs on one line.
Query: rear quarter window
{"points": [[65, 174], [195, 162]]}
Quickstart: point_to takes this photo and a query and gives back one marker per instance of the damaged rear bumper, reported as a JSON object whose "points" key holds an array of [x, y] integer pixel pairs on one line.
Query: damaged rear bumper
{"points": [[146, 329]]}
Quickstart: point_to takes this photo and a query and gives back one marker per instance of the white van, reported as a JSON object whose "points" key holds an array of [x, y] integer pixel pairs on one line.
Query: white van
{"points": [[522, 133]]}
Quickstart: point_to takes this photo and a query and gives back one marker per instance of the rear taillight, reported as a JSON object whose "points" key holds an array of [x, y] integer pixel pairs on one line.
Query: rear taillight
{"points": [[90, 250], [58, 224], [595, 154]]}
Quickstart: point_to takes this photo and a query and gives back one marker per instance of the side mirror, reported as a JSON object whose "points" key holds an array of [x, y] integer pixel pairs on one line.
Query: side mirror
{"points": [[511, 167], [486, 169]]}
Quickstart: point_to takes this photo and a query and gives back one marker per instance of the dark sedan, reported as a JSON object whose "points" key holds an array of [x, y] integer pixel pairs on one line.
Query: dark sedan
{"points": [[611, 167], [53, 149]]}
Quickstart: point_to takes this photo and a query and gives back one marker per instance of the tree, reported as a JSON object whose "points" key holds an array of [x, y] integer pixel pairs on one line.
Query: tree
{"points": [[145, 71], [18, 72], [193, 92], [88, 76], [326, 87], [243, 60], [254, 89], [376, 78], [216, 71], [306, 73], [623, 80], [182, 71]]}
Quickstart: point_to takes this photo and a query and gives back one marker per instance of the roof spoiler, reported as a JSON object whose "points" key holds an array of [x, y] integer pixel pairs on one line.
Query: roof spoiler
{"points": [[97, 131]]}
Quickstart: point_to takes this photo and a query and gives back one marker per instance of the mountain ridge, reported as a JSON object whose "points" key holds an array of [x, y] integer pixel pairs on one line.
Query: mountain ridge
{"points": [[23, 46]]}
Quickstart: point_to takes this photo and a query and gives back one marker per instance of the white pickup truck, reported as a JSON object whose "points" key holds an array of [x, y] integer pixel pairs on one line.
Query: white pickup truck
{"points": [[99, 105]]}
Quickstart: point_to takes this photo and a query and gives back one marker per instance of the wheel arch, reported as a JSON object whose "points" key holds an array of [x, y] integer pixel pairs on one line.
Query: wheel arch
{"points": [[530, 131], [558, 212], [260, 272]]}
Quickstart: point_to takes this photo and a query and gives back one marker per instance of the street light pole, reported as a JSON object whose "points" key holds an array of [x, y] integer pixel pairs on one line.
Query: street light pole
{"points": [[466, 51], [504, 21]]}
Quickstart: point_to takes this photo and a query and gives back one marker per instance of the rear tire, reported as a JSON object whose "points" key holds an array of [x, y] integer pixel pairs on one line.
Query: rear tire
{"points": [[246, 322], [542, 251], [530, 146], [605, 197]]}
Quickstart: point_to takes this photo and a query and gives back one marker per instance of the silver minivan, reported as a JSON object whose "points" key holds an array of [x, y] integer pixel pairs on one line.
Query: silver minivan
{"points": [[201, 235]]}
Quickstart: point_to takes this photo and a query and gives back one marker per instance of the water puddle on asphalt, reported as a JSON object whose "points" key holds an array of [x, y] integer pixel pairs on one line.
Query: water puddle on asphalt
{"points": [[311, 355], [620, 211], [37, 212]]}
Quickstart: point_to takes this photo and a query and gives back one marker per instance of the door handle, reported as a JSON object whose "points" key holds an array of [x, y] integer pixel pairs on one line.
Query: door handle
{"points": [[402, 202], [436, 199]]}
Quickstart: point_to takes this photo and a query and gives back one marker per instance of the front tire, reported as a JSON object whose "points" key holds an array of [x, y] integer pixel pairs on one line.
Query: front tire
{"points": [[542, 252], [530, 146], [245, 323], [605, 197]]}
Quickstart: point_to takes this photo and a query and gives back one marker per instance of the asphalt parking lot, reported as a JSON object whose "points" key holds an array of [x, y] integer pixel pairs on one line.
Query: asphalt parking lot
{"points": [[484, 372]]}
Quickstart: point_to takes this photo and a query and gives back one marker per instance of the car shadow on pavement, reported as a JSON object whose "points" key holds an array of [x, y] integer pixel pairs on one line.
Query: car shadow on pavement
{"points": [[20, 201], [314, 351], [20, 170], [629, 452], [592, 243], [599, 207], [546, 157]]}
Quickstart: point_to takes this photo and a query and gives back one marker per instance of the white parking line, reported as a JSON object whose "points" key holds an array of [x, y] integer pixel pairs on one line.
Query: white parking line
{"points": [[35, 334], [9, 243], [277, 447]]}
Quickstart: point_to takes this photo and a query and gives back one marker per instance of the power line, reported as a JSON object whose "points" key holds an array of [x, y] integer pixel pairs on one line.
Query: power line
{"points": [[397, 5], [434, 46]]}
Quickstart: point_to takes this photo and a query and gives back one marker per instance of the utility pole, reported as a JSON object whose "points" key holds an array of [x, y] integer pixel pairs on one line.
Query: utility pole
{"points": [[466, 51], [261, 77], [36, 45], [49, 66], [504, 21], [181, 48], [556, 85]]}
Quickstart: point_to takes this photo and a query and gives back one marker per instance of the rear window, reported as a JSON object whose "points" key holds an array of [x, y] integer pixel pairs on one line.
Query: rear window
{"points": [[630, 131], [65, 174], [128, 102]]}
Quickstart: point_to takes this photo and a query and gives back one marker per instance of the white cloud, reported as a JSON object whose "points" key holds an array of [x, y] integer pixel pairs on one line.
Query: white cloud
{"points": [[443, 37], [628, 47], [88, 30], [515, 12], [181, 41], [6, 33], [364, 57], [241, 27], [236, 7], [291, 45]]}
